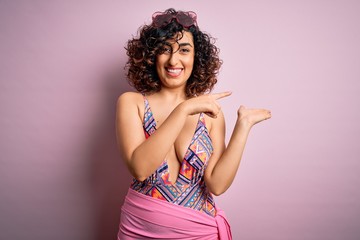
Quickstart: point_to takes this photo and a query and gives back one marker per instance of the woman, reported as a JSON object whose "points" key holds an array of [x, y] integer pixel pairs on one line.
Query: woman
{"points": [[172, 133]]}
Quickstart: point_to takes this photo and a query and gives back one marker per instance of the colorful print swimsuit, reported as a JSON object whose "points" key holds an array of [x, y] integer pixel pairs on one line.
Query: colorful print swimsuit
{"points": [[189, 190]]}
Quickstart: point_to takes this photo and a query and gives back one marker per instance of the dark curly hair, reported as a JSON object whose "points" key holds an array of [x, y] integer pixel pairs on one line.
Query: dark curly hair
{"points": [[142, 52]]}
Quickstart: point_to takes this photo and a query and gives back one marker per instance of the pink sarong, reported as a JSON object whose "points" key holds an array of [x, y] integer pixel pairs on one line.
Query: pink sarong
{"points": [[144, 217]]}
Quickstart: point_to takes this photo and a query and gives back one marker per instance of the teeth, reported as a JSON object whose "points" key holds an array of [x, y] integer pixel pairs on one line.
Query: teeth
{"points": [[174, 70]]}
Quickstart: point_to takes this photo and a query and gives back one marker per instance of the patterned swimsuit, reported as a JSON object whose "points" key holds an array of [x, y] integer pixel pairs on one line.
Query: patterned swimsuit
{"points": [[189, 190]]}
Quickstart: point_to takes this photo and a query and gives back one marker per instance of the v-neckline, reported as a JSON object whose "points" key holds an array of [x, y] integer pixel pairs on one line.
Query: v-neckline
{"points": [[187, 149]]}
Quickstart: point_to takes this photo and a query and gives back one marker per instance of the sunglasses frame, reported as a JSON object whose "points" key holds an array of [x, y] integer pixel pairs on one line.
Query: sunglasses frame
{"points": [[186, 19]]}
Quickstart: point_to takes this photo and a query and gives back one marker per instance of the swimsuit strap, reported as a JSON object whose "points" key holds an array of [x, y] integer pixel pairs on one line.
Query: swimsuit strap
{"points": [[149, 123]]}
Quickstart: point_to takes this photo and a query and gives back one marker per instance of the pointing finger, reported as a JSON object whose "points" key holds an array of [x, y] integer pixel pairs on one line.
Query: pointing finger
{"points": [[221, 95]]}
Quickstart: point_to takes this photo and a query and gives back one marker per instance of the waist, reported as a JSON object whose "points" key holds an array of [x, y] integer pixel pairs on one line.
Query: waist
{"points": [[194, 196], [168, 220]]}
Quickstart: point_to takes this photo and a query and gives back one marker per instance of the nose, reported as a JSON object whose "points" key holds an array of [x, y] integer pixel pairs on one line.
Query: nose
{"points": [[174, 58]]}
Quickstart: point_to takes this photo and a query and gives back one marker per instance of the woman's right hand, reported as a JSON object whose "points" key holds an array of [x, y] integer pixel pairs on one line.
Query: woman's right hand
{"points": [[206, 103]]}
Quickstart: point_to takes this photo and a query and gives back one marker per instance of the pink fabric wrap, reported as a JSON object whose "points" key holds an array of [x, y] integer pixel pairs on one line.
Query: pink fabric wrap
{"points": [[144, 217]]}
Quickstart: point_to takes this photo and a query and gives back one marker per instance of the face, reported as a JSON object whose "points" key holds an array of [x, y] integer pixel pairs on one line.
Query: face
{"points": [[175, 64]]}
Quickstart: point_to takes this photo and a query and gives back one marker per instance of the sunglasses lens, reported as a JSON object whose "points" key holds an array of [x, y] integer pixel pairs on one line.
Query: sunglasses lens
{"points": [[161, 19], [184, 19], [192, 15]]}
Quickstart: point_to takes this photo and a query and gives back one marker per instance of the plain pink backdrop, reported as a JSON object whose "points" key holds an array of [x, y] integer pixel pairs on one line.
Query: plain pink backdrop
{"points": [[61, 71]]}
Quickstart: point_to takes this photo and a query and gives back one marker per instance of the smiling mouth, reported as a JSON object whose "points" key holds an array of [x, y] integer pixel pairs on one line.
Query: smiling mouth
{"points": [[174, 72]]}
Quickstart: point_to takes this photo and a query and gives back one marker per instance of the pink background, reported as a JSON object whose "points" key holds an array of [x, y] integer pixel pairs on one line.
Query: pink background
{"points": [[61, 70]]}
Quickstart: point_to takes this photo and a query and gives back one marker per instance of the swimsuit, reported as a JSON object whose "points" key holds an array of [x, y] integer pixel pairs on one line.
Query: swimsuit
{"points": [[189, 190]]}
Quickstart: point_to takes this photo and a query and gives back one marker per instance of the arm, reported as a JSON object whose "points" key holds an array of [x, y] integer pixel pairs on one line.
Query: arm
{"points": [[224, 163], [144, 157]]}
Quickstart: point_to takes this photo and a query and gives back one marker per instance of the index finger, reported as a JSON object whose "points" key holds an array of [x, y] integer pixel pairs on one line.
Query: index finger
{"points": [[221, 95]]}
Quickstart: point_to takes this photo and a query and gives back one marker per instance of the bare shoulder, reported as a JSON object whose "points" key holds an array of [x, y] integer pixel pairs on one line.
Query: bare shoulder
{"points": [[215, 123], [130, 98], [130, 103]]}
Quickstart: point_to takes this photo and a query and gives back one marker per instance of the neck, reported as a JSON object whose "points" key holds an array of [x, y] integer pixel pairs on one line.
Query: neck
{"points": [[172, 95]]}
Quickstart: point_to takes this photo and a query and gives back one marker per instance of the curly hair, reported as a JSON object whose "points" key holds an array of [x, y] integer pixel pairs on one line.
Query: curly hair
{"points": [[143, 50]]}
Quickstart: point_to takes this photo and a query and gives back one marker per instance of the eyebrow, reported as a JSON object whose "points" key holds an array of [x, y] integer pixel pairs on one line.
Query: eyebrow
{"points": [[185, 44], [180, 44]]}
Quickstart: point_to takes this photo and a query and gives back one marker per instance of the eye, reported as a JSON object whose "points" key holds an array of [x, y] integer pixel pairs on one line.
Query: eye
{"points": [[166, 49], [184, 50]]}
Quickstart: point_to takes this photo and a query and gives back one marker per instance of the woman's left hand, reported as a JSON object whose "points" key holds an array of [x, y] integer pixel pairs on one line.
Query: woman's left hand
{"points": [[251, 117]]}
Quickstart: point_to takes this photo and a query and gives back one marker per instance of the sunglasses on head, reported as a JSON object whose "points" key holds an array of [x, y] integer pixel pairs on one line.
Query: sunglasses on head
{"points": [[186, 19]]}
